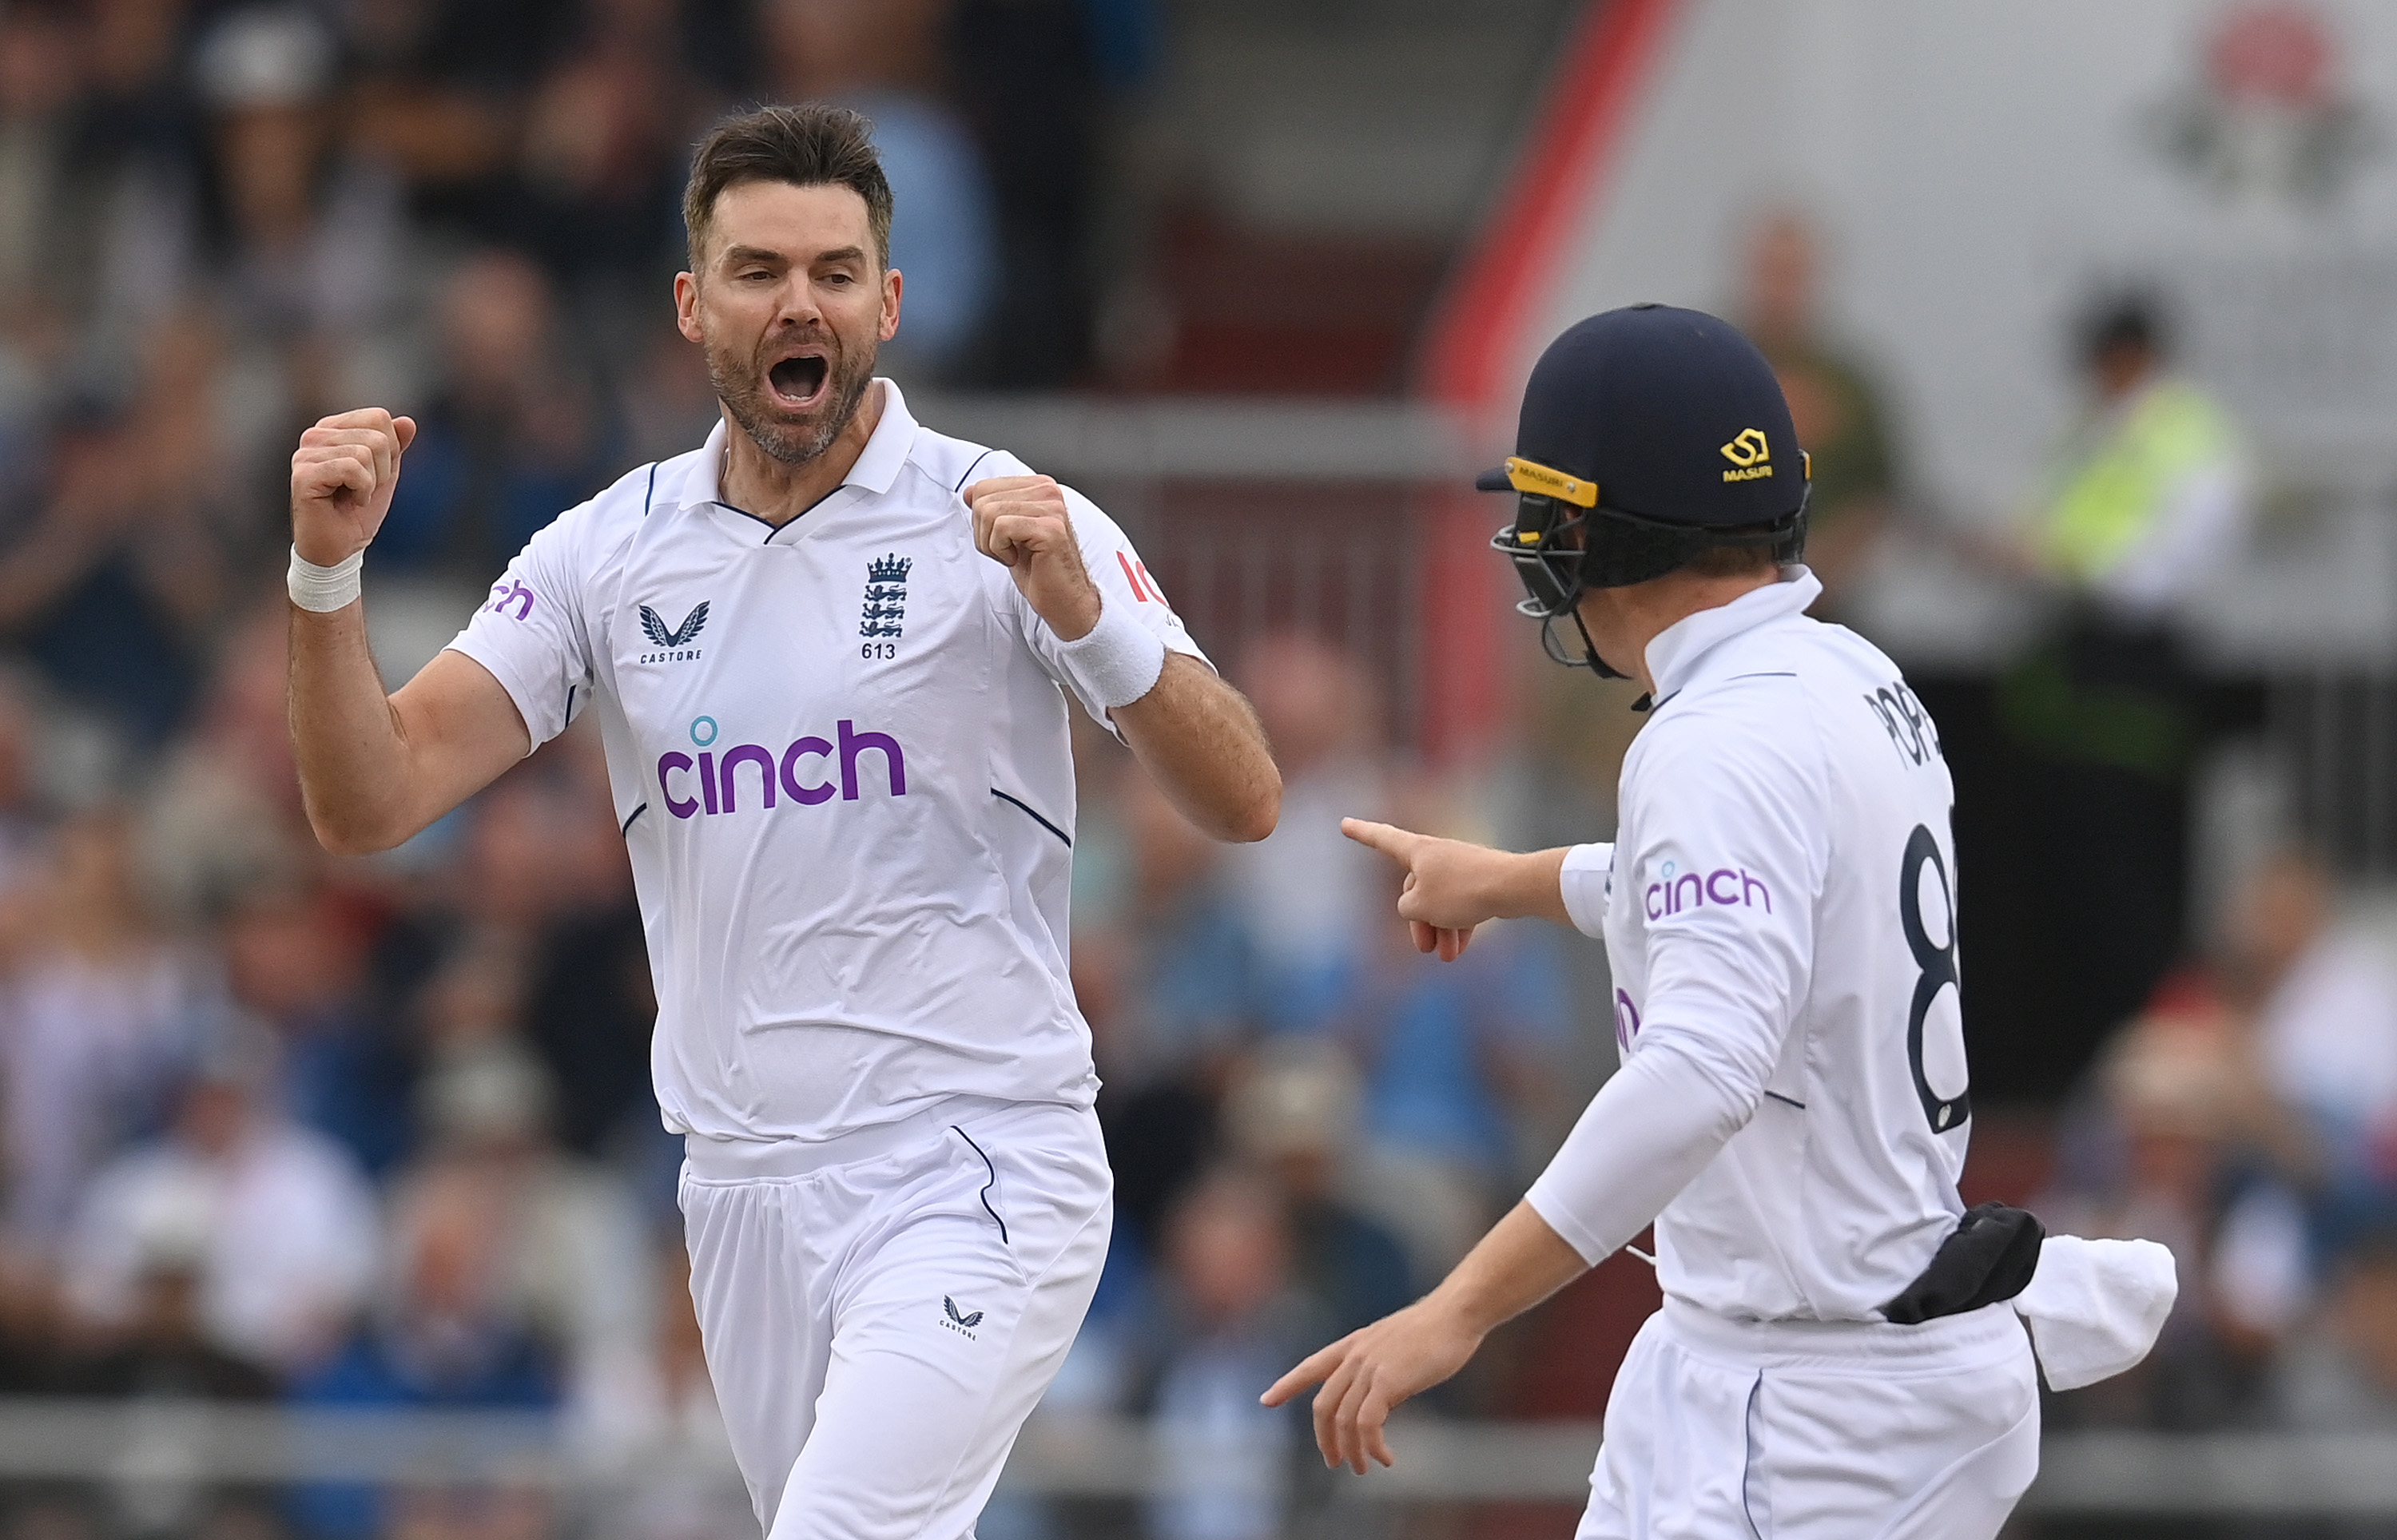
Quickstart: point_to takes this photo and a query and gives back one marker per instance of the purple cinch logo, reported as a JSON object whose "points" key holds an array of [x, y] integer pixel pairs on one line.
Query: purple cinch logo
{"points": [[1725, 887], [510, 592], [1626, 1022], [790, 772]]}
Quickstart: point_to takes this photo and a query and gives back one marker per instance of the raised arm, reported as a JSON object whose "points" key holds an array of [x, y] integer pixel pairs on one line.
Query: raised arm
{"points": [[374, 769], [1193, 734]]}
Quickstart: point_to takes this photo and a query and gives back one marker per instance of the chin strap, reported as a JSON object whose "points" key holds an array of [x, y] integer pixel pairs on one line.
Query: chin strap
{"points": [[1598, 665]]}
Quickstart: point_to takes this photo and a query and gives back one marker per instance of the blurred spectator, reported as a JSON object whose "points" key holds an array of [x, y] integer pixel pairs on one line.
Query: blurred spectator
{"points": [[515, 435], [561, 1267], [1293, 1115], [301, 242], [2172, 1154], [23, 813], [1312, 896], [2324, 1001], [2150, 492], [883, 58], [1188, 985], [238, 1244], [603, 144], [447, 1331], [297, 958], [665, 400], [1173, 986], [99, 1019], [460, 1319], [109, 582], [1236, 1324], [437, 97], [1455, 1057], [1833, 406], [588, 1013], [2343, 1379], [223, 817], [2148, 498], [34, 1328], [43, 246]]}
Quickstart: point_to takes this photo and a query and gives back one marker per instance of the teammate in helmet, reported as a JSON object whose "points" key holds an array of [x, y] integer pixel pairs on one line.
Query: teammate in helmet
{"points": [[1839, 1353], [1612, 392]]}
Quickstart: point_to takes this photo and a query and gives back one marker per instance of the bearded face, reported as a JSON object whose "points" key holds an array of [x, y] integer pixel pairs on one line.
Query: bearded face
{"points": [[791, 308], [792, 392]]}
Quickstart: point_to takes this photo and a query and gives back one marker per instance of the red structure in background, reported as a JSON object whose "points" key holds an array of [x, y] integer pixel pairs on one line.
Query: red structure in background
{"points": [[1476, 334]]}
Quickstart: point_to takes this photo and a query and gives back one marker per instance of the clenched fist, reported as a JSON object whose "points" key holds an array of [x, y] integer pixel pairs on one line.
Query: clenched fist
{"points": [[1022, 523], [343, 477]]}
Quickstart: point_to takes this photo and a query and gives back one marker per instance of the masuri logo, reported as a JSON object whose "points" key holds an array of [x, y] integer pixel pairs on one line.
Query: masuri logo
{"points": [[1751, 455]]}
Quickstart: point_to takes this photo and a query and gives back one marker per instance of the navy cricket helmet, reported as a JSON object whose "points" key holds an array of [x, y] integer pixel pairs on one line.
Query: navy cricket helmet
{"points": [[1648, 435]]}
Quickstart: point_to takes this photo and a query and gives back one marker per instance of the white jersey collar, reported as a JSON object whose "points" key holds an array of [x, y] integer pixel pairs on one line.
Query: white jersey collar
{"points": [[876, 469], [1675, 653]]}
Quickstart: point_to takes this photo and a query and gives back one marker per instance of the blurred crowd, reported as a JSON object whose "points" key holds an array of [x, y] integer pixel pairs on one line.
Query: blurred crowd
{"points": [[2248, 1119], [221, 220]]}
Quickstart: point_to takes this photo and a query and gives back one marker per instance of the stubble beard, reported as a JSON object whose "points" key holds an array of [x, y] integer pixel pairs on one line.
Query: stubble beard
{"points": [[740, 385]]}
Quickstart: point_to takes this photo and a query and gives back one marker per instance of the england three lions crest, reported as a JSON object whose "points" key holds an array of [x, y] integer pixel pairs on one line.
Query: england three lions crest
{"points": [[885, 608]]}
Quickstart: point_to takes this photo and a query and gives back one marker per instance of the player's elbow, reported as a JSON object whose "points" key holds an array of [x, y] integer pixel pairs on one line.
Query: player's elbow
{"points": [[1258, 813], [354, 832]]}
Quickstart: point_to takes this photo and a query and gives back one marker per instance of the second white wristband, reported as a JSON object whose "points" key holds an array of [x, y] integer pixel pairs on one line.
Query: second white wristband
{"points": [[323, 590], [1118, 661]]}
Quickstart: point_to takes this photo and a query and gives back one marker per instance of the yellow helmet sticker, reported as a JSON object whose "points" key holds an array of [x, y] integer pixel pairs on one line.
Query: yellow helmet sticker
{"points": [[1751, 454], [1538, 480]]}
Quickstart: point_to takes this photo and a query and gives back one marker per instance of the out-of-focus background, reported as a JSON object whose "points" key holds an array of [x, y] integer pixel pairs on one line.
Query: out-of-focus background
{"points": [[333, 1203]]}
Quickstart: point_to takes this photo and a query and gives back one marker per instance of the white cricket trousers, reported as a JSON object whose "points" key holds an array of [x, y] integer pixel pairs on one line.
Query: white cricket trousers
{"points": [[881, 1312], [1720, 1429]]}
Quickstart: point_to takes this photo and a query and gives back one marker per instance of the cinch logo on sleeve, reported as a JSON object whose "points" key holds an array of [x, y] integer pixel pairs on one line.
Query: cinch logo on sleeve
{"points": [[511, 592], [1750, 456], [709, 783], [1724, 887]]}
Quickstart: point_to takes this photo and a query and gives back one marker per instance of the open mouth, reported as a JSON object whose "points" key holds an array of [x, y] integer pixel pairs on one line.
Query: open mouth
{"points": [[798, 383]]}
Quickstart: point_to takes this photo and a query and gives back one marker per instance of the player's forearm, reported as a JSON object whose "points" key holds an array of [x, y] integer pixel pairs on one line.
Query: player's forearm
{"points": [[1531, 886], [1520, 1262], [352, 755], [1198, 739], [1645, 1135]]}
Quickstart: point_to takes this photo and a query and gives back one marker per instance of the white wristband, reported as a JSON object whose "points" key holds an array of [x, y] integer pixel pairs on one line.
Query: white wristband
{"points": [[324, 589], [1117, 663]]}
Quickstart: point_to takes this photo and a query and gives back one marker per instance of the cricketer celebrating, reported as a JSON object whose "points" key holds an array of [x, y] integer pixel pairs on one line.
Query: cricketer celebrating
{"points": [[826, 650], [1837, 1356]]}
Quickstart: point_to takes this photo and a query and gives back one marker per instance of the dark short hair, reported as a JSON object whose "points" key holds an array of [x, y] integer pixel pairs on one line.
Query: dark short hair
{"points": [[2127, 318], [810, 145]]}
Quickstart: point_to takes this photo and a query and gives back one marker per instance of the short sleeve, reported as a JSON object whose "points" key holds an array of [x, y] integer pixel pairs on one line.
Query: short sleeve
{"points": [[1588, 881], [1124, 585], [529, 634]]}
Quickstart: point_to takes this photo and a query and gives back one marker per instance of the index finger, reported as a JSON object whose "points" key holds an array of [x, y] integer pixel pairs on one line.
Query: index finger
{"points": [[992, 485], [1389, 839], [1313, 1369]]}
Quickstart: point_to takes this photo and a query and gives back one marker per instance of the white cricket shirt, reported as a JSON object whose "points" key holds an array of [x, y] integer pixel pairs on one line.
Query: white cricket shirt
{"points": [[839, 751], [1779, 919]]}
